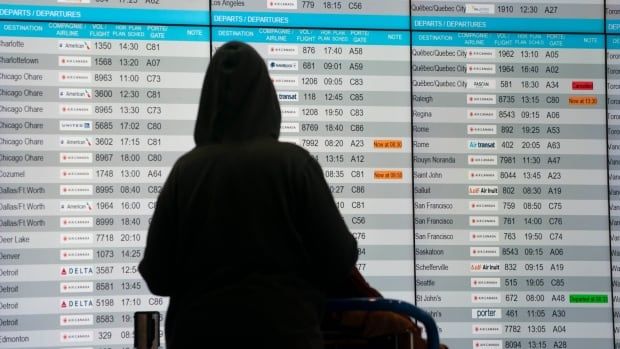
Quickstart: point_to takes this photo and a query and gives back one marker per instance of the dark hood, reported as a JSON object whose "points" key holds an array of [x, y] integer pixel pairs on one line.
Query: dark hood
{"points": [[238, 100]]}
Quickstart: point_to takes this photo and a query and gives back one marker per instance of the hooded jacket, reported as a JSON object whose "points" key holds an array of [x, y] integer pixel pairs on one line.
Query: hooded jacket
{"points": [[245, 238]]}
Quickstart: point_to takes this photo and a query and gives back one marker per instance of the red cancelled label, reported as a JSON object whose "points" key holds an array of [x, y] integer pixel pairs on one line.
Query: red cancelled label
{"points": [[583, 85]]}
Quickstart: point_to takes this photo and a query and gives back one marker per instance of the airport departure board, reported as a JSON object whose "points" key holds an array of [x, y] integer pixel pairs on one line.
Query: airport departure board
{"points": [[473, 149]]}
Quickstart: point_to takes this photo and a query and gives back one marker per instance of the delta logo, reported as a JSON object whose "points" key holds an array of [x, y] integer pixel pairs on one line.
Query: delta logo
{"points": [[76, 303], [283, 65], [77, 271]]}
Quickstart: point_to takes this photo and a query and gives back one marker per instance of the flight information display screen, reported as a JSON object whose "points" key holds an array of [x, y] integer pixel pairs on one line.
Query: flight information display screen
{"points": [[472, 148]]}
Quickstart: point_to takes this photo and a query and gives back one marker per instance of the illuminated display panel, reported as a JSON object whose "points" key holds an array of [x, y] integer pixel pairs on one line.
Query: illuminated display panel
{"points": [[493, 216]]}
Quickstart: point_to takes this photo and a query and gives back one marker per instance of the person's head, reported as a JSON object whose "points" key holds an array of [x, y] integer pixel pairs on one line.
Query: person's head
{"points": [[238, 100]]}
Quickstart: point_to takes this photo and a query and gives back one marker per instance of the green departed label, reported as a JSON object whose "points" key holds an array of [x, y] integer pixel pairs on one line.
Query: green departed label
{"points": [[589, 298]]}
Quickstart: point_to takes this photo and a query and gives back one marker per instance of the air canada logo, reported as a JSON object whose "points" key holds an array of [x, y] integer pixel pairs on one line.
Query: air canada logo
{"points": [[485, 282], [487, 344], [76, 336], [486, 329], [282, 4]]}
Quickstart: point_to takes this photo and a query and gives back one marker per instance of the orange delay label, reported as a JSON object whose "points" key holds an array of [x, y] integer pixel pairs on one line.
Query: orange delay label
{"points": [[388, 174], [388, 143], [582, 100]]}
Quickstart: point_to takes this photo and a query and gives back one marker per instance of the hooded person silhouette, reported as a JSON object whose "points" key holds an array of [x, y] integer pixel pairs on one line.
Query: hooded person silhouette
{"points": [[245, 238]]}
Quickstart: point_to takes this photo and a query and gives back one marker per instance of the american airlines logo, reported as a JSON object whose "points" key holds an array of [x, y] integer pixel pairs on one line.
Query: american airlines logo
{"points": [[76, 142], [76, 206], [283, 65], [75, 45], [75, 93]]}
